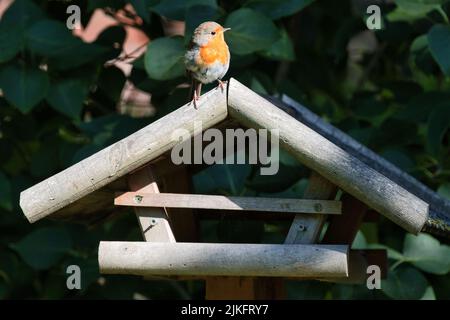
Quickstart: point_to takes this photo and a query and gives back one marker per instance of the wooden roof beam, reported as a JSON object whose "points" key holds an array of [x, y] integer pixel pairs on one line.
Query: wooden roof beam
{"points": [[120, 158], [329, 160]]}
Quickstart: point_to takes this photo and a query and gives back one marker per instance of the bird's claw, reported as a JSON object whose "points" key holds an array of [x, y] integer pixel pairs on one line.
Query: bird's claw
{"points": [[195, 99], [221, 84]]}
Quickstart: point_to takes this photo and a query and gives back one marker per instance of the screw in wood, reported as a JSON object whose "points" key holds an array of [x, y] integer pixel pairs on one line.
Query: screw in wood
{"points": [[138, 199], [153, 222], [318, 207], [302, 227]]}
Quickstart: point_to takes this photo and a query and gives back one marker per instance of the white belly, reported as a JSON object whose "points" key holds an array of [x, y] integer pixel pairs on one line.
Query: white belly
{"points": [[213, 72]]}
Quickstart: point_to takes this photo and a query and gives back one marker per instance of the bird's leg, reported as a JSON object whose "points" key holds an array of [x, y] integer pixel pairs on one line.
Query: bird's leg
{"points": [[194, 99], [196, 88], [197, 93], [221, 84]]}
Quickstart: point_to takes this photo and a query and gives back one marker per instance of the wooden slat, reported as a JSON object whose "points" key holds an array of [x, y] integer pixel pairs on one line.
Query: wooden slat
{"points": [[306, 228], [223, 259], [332, 162], [176, 200], [153, 222]]}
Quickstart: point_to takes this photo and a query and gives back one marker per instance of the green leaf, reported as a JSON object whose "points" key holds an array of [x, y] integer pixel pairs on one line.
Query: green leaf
{"points": [[240, 231], [405, 282], [418, 109], [222, 178], [360, 241], [142, 8], [67, 96], [285, 178], [43, 248], [250, 31], [427, 254], [399, 157], [21, 14], [276, 9], [429, 294], [283, 49], [29, 87], [420, 55], [418, 8], [439, 43], [52, 39], [10, 43], [176, 9], [45, 160], [392, 254], [438, 123], [5, 192], [164, 58], [196, 15], [444, 190], [114, 4]]}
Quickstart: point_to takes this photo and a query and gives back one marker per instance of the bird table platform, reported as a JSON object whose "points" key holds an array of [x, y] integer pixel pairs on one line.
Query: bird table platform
{"points": [[137, 173]]}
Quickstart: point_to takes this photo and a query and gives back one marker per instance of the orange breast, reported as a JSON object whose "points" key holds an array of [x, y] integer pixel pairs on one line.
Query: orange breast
{"points": [[215, 50]]}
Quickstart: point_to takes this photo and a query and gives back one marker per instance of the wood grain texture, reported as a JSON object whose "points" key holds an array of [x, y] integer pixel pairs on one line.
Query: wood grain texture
{"points": [[211, 259], [120, 158], [306, 228], [204, 201], [329, 160], [358, 262], [154, 222]]}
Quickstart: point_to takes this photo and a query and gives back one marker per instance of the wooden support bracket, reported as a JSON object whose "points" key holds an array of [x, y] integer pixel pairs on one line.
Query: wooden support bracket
{"points": [[154, 222], [306, 228]]}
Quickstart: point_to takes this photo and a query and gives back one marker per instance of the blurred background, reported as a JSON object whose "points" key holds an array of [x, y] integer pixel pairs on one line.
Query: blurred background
{"points": [[67, 93]]}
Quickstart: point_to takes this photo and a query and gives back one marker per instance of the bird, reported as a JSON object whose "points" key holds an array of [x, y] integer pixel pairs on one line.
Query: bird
{"points": [[207, 58]]}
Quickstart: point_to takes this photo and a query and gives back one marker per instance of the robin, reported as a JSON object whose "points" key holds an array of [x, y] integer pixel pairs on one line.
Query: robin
{"points": [[207, 58]]}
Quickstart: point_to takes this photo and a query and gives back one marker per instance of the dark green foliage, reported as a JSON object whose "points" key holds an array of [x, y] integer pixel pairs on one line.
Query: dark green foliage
{"points": [[390, 89]]}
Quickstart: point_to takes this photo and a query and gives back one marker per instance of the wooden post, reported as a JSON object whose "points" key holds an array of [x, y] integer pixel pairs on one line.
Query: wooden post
{"points": [[306, 228], [154, 222], [344, 229], [183, 220], [244, 288]]}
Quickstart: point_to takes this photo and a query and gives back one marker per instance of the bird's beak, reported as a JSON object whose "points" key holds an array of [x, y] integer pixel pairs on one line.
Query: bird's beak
{"points": [[226, 29]]}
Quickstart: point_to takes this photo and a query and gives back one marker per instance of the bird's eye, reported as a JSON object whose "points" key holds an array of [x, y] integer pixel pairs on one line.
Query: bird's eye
{"points": [[213, 32]]}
